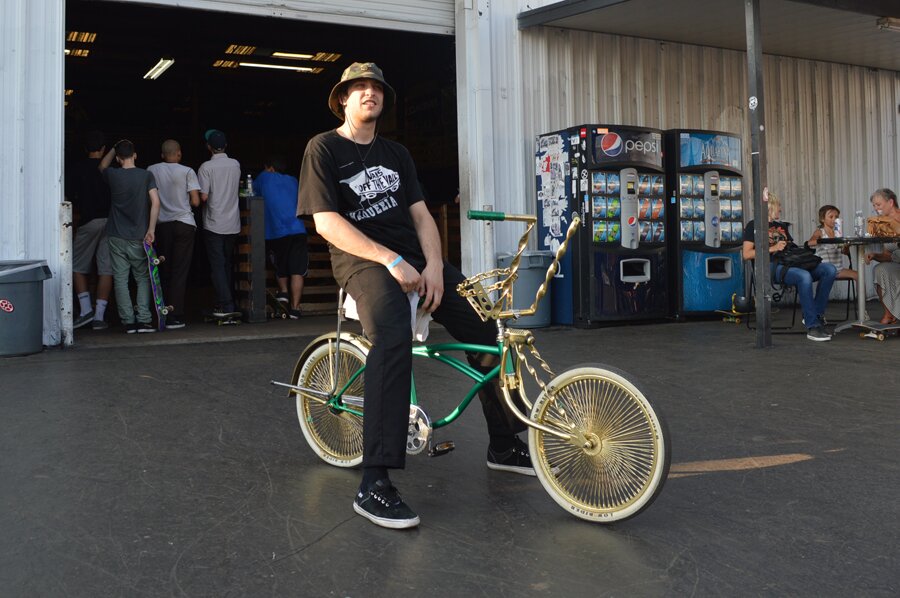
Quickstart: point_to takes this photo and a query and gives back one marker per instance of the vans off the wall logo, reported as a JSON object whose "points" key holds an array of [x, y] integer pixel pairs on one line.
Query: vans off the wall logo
{"points": [[369, 184]]}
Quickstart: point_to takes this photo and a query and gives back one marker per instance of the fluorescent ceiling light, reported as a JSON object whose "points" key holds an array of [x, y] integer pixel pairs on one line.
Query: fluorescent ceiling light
{"points": [[282, 67], [84, 37], [159, 68], [225, 64], [79, 52], [291, 55], [243, 50], [891, 23]]}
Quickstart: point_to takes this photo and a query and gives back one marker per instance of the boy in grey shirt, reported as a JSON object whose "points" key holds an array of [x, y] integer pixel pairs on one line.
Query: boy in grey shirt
{"points": [[134, 208]]}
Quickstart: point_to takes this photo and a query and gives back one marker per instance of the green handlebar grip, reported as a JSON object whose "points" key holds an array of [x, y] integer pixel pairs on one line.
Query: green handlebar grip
{"points": [[481, 215]]}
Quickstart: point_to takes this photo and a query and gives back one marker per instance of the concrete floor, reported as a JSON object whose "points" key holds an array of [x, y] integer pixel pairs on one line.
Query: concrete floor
{"points": [[166, 465]]}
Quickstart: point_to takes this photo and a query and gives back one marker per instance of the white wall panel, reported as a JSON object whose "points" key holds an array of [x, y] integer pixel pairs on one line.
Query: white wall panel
{"points": [[832, 129], [31, 129], [423, 16]]}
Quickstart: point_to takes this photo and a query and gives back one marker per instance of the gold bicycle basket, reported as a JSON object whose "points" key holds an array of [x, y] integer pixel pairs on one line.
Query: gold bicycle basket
{"points": [[478, 293]]}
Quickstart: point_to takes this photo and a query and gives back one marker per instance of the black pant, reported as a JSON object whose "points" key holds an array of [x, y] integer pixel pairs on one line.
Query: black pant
{"points": [[175, 241], [220, 250], [385, 315]]}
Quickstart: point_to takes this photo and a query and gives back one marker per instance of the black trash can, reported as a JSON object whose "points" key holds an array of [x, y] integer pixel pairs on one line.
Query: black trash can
{"points": [[22, 306], [532, 270]]}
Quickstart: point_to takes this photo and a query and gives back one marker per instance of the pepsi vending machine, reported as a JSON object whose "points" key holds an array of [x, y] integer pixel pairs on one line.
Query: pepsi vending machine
{"points": [[616, 267], [706, 211]]}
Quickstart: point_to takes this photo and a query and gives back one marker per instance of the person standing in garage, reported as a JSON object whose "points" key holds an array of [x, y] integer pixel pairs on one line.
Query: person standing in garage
{"points": [[220, 177], [363, 194]]}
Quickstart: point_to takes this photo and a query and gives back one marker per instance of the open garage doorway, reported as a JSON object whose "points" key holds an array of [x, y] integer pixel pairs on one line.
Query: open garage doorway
{"points": [[264, 111]]}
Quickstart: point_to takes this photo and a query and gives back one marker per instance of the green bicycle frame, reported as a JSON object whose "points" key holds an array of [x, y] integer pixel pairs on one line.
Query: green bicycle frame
{"points": [[439, 352]]}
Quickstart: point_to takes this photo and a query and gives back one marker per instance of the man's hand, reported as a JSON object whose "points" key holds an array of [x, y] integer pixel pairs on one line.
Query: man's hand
{"points": [[431, 286], [406, 276], [779, 246], [150, 237]]}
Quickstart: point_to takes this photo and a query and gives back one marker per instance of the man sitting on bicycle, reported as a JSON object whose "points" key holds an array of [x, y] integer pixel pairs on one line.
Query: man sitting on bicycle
{"points": [[363, 193]]}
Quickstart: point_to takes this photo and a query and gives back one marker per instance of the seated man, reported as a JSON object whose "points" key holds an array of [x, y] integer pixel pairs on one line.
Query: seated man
{"points": [[813, 305], [365, 199]]}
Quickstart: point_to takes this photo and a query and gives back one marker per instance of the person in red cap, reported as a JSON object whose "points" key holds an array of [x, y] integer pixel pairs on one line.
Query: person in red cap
{"points": [[363, 194]]}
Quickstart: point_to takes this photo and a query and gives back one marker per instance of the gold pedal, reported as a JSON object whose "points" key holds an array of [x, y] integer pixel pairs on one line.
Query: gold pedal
{"points": [[441, 448]]}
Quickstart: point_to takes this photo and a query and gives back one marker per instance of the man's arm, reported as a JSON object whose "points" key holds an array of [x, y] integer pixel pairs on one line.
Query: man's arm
{"points": [[154, 214], [431, 285], [195, 198], [107, 159], [335, 229]]}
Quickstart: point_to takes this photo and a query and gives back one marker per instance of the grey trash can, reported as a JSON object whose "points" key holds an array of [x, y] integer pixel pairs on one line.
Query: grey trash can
{"points": [[532, 270], [22, 306]]}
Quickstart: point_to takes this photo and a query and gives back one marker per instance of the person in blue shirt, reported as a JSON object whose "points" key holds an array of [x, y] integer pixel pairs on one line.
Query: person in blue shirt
{"points": [[285, 233]]}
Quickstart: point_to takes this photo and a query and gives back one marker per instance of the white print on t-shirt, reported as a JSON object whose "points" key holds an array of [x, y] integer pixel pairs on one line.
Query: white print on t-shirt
{"points": [[368, 185], [374, 181]]}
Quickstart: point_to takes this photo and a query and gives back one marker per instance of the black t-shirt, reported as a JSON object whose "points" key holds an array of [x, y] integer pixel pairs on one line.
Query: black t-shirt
{"points": [[87, 191], [778, 231], [375, 198]]}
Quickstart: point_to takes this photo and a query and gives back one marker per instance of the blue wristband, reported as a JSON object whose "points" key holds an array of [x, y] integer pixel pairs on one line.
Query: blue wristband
{"points": [[396, 261]]}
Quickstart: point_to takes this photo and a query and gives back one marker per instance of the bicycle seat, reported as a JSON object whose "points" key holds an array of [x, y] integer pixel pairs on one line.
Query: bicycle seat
{"points": [[419, 318]]}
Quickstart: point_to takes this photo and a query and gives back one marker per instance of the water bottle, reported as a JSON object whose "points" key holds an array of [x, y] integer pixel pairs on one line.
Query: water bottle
{"points": [[838, 228], [249, 186], [859, 224]]}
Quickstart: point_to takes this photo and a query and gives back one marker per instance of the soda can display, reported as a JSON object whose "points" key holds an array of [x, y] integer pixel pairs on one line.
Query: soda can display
{"points": [[658, 210], [600, 231], [612, 183], [699, 208], [659, 232], [737, 210], [687, 208], [644, 208], [646, 232], [614, 232], [598, 207], [699, 230], [598, 182], [685, 185], [687, 230], [613, 207]]}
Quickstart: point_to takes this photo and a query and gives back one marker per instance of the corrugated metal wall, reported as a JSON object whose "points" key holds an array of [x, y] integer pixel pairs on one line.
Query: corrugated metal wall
{"points": [[423, 16], [832, 129], [31, 130]]}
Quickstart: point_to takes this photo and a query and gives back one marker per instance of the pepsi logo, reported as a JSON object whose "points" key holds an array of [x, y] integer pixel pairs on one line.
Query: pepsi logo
{"points": [[715, 221], [632, 220], [611, 144]]}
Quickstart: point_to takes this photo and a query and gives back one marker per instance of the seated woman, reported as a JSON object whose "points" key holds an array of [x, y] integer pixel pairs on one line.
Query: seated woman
{"points": [[813, 305], [887, 272], [833, 254]]}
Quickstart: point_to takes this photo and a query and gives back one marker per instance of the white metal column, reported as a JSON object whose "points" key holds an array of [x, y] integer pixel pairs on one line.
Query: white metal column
{"points": [[31, 155]]}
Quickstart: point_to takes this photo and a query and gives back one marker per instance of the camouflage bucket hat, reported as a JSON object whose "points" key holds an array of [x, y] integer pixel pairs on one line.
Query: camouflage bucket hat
{"points": [[359, 70]]}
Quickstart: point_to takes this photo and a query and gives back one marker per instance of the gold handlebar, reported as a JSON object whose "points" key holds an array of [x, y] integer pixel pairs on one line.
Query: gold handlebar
{"points": [[477, 292]]}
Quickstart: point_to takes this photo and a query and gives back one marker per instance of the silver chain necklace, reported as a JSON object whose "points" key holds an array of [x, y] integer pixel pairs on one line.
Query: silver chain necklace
{"points": [[362, 158]]}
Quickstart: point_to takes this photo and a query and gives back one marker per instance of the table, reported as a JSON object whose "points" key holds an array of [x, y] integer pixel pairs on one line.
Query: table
{"points": [[860, 244]]}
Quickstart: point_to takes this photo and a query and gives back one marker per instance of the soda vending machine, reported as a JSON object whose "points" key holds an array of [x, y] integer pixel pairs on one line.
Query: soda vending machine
{"points": [[616, 267], [706, 215]]}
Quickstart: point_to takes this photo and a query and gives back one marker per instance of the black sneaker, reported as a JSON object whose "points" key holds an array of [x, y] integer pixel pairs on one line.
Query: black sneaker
{"points": [[174, 323], [383, 506], [817, 333], [83, 320], [144, 327], [283, 297], [131, 328], [517, 459], [294, 314]]}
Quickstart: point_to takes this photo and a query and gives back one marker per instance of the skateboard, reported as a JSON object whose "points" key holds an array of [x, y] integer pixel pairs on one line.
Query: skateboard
{"points": [[732, 316], [873, 329], [229, 319], [276, 308], [153, 262]]}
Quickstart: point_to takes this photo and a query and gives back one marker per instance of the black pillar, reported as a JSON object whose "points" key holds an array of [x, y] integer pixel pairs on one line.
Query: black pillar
{"points": [[758, 176]]}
